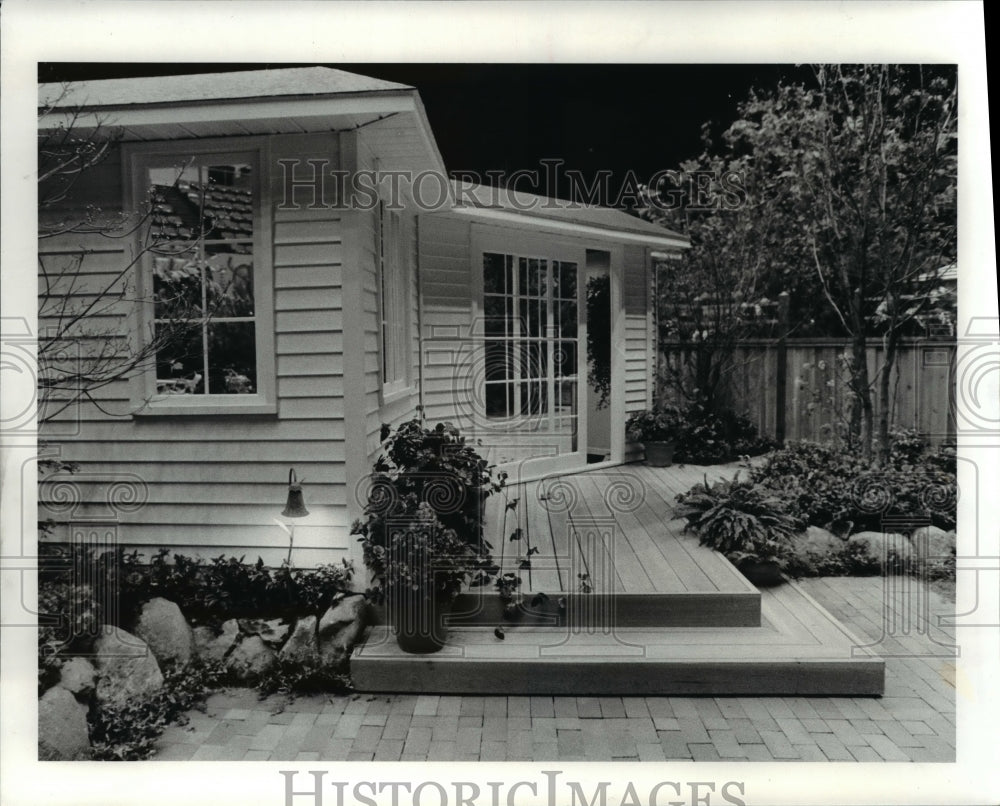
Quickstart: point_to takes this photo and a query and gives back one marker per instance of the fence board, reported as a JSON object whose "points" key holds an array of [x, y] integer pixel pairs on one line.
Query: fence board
{"points": [[816, 385]]}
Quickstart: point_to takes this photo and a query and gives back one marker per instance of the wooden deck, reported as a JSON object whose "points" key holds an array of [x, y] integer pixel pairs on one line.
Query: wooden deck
{"points": [[605, 543], [798, 649], [615, 525], [632, 606]]}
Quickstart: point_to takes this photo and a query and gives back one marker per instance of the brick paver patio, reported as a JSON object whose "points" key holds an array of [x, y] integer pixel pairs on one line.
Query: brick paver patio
{"points": [[914, 721]]}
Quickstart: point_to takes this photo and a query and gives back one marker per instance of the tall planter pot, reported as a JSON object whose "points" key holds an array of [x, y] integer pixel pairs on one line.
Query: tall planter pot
{"points": [[418, 622], [659, 454]]}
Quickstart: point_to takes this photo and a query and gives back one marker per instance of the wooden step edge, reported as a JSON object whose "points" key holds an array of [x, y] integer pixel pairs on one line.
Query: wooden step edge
{"points": [[730, 609], [428, 674]]}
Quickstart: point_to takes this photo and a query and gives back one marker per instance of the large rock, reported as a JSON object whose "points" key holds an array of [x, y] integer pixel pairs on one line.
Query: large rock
{"points": [[339, 630], [890, 551], [126, 667], [272, 632], [302, 647], [932, 544], [213, 647], [78, 676], [62, 727], [161, 625], [251, 660]]}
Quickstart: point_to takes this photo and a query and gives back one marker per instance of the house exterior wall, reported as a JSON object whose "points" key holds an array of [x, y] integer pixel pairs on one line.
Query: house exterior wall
{"points": [[447, 286], [446, 261], [212, 484], [366, 406], [208, 485], [639, 337]]}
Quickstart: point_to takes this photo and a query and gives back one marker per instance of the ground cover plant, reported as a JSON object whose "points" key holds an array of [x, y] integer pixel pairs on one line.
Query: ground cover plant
{"points": [[806, 485], [72, 612]]}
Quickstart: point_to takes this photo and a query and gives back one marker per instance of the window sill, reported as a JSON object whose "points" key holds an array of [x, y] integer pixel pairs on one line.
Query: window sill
{"points": [[388, 397], [191, 407]]}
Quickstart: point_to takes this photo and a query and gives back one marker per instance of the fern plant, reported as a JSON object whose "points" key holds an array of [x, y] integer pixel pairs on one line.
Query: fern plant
{"points": [[740, 520]]}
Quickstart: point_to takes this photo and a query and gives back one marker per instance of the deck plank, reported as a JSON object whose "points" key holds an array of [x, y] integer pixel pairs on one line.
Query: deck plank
{"points": [[629, 576], [654, 517]]}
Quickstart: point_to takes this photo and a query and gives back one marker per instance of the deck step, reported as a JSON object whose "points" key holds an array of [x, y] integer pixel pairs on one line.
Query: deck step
{"points": [[740, 608], [799, 649]]}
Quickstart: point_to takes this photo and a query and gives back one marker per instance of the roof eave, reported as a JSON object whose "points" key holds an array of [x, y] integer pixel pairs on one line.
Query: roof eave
{"points": [[670, 242], [231, 110]]}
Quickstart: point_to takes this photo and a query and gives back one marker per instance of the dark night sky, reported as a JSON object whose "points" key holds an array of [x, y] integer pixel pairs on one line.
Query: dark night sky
{"points": [[509, 116]]}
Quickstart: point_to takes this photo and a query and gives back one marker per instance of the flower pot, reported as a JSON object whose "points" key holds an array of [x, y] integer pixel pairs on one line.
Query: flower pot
{"points": [[419, 624], [659, 454], [762, 574]]}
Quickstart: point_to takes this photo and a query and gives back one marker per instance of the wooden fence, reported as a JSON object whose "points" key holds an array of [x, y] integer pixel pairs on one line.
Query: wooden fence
{"points": [[797, 389]]}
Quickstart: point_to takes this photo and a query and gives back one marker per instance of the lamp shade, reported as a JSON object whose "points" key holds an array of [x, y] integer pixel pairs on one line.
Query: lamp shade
{"points": [[295, 507]]}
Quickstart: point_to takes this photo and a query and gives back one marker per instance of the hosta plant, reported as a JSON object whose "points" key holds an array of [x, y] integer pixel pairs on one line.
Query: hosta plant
{"points": [[740, 520]]}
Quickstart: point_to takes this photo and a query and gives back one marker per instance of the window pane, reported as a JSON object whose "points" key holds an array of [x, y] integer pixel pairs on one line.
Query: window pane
{"points": [[232, 358], [495, 274], [494, 309], [497, 397], [180, 364], [176, 288], [565, 358], [497, 367], [229, 284], [567, 280], [567, 319], [534, 397], [566, 397], [202, 201]]}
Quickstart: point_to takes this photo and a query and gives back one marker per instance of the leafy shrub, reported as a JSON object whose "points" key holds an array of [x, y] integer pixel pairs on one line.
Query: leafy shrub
{"points": [[292, 678], [118, 583], [739, 519], [707, 437], [850, 559], [700, 435], [660, 424], [423, 533], [227, 587], [831, 487]]}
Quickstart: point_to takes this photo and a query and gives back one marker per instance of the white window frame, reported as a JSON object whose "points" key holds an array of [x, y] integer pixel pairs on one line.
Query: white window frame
{"points": [[393, 278], [137, 159]]}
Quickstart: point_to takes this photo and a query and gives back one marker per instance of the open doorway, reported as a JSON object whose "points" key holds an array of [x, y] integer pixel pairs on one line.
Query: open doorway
{"points": [[598, 312]]}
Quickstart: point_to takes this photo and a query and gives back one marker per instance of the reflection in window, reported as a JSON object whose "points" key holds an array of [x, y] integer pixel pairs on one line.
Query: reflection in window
{"points": [[202, 232]]}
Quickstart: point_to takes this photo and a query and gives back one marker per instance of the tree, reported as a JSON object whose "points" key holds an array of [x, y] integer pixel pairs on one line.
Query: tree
{"points": [[851, 205]]}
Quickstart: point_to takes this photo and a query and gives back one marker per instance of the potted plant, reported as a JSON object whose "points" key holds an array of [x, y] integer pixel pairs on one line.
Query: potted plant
{"points": [[657, 429], [422, 536], [746, 523]]}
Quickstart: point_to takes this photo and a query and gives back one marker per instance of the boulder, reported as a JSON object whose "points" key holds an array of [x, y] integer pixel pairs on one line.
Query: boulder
{"points": [[273, 632], [62, 727], [251, 659], [126, 667], [339, 629], [78, 676], [213, 647], [932, 544], [162, 626], [890, 551], [302, 648]]}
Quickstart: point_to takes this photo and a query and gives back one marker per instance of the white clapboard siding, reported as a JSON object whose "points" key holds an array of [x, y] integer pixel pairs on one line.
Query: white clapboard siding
{"points": [[446, 315], [402, 406], [639, 349], [215, 483]]}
